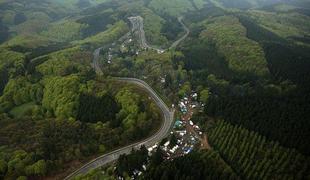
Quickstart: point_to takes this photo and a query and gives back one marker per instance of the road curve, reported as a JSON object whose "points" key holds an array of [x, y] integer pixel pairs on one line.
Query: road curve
{"points": [[137, 25], [95, 63], [168, 115], [187, 31], [157, 137]]}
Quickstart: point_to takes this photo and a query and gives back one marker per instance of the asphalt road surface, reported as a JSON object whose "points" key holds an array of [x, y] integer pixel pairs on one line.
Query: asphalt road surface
{"points": [[177, 42], [95, 63], [157, 137], [137, 26]]}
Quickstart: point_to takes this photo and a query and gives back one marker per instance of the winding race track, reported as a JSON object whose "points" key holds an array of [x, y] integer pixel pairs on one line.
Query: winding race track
{"points": [[157, 137], [137, 25], [187, 31]]}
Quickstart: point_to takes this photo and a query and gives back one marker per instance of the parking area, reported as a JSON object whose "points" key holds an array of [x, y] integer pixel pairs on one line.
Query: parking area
{"points": [[185, 135]]}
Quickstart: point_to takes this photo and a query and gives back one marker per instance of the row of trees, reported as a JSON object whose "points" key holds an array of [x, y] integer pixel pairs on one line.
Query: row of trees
{"points": [[196, 165], [252, 156], [274, 105], [283, 119]]}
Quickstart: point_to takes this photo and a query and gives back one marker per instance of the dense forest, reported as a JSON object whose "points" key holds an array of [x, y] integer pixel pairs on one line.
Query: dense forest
{"points": [[275, 104], [196, 165], [253, 157], [237, 154], [50, 128], [55, 111], [247, 60]]}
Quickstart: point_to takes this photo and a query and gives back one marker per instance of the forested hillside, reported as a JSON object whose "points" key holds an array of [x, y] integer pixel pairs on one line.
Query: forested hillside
{"points": [[240, 69], [59, 112], [55, 112], [237, 154], [254, 157]]}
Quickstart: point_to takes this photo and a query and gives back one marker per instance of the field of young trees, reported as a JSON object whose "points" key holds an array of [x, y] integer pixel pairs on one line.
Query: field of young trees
{"points": [[236, 153], [252, 156], [196, 165]]}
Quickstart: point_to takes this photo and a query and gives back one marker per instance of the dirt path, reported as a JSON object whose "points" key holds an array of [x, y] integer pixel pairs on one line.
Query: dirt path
{"points": [[205, 143], [187, 118]]}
